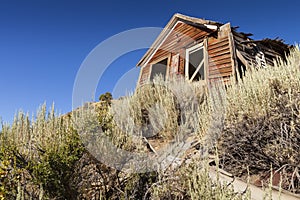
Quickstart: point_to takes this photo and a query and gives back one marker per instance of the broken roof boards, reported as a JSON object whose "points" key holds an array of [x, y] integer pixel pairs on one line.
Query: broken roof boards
{"points": [[203, 50]]}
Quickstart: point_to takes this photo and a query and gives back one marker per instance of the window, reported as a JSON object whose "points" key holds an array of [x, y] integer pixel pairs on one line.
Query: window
{"points": [[159, 68], [194, 66]]}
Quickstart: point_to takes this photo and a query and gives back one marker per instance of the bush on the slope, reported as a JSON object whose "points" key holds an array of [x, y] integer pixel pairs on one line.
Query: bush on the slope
{"points": [[40, 153], [262, 126]]}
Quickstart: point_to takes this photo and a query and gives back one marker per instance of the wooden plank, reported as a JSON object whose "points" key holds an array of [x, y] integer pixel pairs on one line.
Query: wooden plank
{"points": [[178, 28], [145, 74], [206, 65], [220, 54], [190, 43], [171, 44], [225, 79], [220, 75], [140, 82], [192, 37], [181, 61], [219, 66], [216, 45], [220, 49], [187, 32], [239, 186], [220, 71], [160, 54], [213, 67], [168, 66], [224, 30], [177, 34], [233, 54], [242, 59], [174, 65], [181, 42], [216, 41], [220, 62], [175, 46]]}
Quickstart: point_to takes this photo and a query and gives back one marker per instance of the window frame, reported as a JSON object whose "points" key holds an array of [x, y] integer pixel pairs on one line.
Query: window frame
{"points": [[190, 50], [168, 57]]}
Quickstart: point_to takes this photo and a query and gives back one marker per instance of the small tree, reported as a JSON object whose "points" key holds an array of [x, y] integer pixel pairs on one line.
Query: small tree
{"points": [[107, 97], [104, 118]]}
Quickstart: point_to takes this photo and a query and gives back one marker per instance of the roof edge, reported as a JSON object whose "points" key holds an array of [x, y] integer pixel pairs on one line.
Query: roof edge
{"points": [[175, 18]]}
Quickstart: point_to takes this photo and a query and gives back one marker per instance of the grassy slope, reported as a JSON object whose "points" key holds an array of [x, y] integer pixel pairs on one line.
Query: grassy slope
{"points": [[258, 129]]}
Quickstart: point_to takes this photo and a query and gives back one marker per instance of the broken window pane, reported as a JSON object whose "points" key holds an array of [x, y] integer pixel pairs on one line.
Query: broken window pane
{"points": [[159, 68]]}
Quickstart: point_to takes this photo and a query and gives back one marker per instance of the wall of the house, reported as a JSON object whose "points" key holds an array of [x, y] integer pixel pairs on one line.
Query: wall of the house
{"points": [[220, 54], [181, 36]]}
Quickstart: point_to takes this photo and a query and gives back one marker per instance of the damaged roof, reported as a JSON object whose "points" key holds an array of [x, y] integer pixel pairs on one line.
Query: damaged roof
{"points": [[248, 47], [197, 22]]}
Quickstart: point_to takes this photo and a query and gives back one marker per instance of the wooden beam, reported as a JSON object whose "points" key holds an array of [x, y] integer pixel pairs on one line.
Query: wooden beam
{"points": [[206, 57], [233, 54], [197, 70], [242, 59]]}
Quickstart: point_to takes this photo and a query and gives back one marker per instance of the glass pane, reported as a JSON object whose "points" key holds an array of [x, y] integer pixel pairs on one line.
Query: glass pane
{"points": [[195, 58]]}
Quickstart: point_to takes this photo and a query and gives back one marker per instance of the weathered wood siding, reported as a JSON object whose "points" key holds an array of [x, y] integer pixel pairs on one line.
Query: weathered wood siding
{"points": [[181, 36], [219, 49], [145, 74], [175, 44], [219, 58]]}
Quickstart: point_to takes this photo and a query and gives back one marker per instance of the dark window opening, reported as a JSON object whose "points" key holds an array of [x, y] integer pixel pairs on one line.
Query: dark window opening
{"points": [[195, 59], [195, 66], [241, 69], [159, 68]]}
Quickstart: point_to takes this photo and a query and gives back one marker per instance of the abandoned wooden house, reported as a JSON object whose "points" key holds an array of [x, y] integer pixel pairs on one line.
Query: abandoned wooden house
{"points": [[205, 51]]}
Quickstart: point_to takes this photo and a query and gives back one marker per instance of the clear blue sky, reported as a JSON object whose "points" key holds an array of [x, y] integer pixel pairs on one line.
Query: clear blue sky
{"points": [[44, 42]]}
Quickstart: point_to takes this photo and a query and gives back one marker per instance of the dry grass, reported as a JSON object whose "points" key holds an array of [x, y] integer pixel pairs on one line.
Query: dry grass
{"points": [[263, 124], [160, 109], [192, 181], [254, 124]]}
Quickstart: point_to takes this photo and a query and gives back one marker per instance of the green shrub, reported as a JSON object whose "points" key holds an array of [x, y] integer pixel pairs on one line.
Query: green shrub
{"points": [[46, 148]]}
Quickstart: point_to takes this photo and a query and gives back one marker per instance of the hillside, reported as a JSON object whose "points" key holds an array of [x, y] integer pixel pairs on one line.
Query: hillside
{"points": [[164, 142]]}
